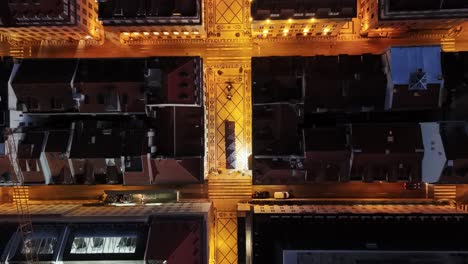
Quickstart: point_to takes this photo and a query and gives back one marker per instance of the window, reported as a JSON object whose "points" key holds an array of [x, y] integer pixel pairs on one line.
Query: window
{"points": [[104, 245]]}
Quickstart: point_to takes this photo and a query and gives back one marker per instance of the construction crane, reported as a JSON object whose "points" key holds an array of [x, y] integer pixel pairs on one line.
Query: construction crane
{"points": [[20, 197]]}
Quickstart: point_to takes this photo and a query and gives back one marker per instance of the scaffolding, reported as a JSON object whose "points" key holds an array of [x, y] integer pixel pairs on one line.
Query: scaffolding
{"points": [[20, 198]]}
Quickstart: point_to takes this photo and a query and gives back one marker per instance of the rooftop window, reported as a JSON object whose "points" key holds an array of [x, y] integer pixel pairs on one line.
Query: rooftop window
{"points": [[104, 245]]}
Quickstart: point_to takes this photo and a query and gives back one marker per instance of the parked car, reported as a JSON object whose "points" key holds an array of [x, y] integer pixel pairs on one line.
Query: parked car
{"points": [[261, 195], [412, 185], [281, 195]]}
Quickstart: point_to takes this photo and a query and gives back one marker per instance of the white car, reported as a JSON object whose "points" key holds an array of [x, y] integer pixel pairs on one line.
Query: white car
{"points": [[281, 195]]}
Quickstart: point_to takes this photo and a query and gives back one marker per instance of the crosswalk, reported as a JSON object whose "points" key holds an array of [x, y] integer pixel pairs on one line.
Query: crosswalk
{"points": [[230, 187], [445, 192]]}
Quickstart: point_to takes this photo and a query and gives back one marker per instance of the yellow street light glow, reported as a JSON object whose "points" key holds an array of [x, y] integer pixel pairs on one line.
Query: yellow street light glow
{"points": [[268, 21], [186, 33], [306, 30], [290, 20], [265, 31], [326, 30], [175, 32], [126, 34], [312, 20], [88, 37], [136, 33], [146, 33], [196, 32], [166, 33], [285, 34], [285, 31], [156, 33], [250, 19]]}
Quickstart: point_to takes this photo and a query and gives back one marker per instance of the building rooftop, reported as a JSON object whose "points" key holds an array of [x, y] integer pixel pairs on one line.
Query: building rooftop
{"points": [[57, 141], [177, 171], [38, 13], [174, 80], [396, 138], [177, 240], [327, 154], [277, 79], [276, 130], [285, 9], [33, 71], [387, 152], [110, 70], [344, 83], [32, 145], [90, 142], [179, 131], [325, 139], [278, 170], [455, 139], [424, 5], [356, 228], [114, 12], [422, 9]]}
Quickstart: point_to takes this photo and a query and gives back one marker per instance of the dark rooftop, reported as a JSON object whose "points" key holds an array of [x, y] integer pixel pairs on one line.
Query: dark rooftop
{"points": [[344, 83], [325, 139], [278, 171], [285, 9], [455, 139], [179, 131], [31, 146], [135, 143], [276, 130], [38, 13], [153, 11], [57, 141], [274, 233], [396, 138], [33, 71], [425, 5], [391, 152], [404, 98], [110, 70], [177, 240], [174, 80], [178, 171], [327, 154], [92, 142], [277, 79]]}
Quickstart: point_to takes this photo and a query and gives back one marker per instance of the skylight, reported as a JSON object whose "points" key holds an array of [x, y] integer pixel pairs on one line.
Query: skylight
{"points": [[106, 245], [40, 245]]}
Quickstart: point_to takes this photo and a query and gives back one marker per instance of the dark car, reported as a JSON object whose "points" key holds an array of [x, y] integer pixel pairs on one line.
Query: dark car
{"points": [[261, 195], [412, 185]]}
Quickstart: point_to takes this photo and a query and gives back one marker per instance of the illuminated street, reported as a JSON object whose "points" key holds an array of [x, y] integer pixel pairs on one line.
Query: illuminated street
{"points": [[221, 48]]}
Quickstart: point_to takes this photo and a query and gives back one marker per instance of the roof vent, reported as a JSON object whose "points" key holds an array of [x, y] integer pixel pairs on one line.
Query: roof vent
{"points": [[418, 81]]}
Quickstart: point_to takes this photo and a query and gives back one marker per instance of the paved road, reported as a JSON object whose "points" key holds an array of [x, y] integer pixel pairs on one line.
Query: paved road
{"points": [[348, 190], [200, 191], [263, 48]]}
